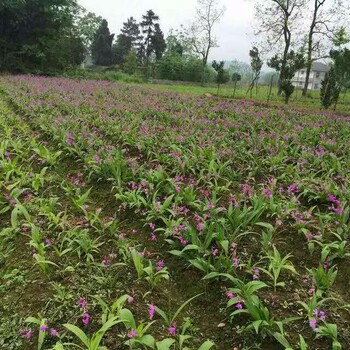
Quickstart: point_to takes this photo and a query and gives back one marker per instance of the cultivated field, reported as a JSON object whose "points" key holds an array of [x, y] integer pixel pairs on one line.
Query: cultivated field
{"points": [[135, 218]]}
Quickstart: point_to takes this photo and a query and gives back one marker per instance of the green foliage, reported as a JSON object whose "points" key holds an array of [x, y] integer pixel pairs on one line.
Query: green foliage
{"points": [[101, 47], [30, 45], [329, 89], [182, 68], [222, 74], [294, 62]]}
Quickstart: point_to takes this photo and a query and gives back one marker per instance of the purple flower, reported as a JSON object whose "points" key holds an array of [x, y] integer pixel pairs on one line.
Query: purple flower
{"points": [[312, 323], [200, 226], [83, 303], [239, 305], [293, 189], [106, 262], [44, 328], [256, 274], [267, 192], [132, 333], [160, 265], [86, 318], [29, 334], [230, 295], [54, 332], [151, 311], [172, 329], [22, 332], [235, 262]]}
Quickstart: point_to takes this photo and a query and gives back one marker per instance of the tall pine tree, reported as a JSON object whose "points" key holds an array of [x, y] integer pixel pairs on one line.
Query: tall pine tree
{"points": [[158, 42], [101, 47], [127, 40], [148, 23]]}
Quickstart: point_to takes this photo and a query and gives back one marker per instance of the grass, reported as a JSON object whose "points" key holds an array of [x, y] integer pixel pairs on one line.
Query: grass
{"points": [[311, 101]]}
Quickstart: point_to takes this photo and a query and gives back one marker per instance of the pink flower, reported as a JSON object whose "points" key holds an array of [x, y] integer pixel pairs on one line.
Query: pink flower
{"points": [[267, 192], [160, 265], [239, 305], [152, 226], [29, 334], [96, 158], [130, 299], [86, 318], [200, 226], [22, 332], [312, 323], [151, 311], [309, 236], [44, 328], [83, 303], [293, 189], [172, 329], [230, 295], [132, 333], [311, 290], [235, 262], [54, 333], [106, 262]]}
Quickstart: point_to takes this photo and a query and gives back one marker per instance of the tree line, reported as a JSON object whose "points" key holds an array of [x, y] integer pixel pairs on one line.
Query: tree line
{"points": [[43, 36]]}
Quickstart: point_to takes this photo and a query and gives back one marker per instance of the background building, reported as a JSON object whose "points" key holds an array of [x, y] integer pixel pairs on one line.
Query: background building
{"points": [[317, 74]]}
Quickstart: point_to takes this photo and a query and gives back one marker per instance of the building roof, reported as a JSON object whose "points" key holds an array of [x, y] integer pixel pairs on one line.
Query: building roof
{"points": [[319, 67]]}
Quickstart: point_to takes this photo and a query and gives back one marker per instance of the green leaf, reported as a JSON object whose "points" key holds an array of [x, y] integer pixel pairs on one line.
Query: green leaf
{"points": [[162, 314], [281, 339], [147, 340], [206, 345], [128, 318], [79, 333], [183, 305], [165, 344]]}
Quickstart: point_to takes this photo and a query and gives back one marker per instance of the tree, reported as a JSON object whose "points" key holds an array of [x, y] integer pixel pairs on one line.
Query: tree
{"points": [[341, 66], [158, 42], [329, 90], [293, 62], [256, 64], [148, 23], [277, 20], [202, 36], [243, 68], [87, 23], [173, 45], [324, 19], [39, 36], [236, 77], [101, 47], [222, 75], [130, 64], [126, 40]]}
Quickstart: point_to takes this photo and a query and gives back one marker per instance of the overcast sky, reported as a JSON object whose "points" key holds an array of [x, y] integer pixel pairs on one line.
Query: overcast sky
{"points": [[234, 32]]}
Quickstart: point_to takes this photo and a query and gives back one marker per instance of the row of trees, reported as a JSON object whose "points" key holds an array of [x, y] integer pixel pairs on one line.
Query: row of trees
{"points": [[39, 35], [142, 42], [296, 28]]}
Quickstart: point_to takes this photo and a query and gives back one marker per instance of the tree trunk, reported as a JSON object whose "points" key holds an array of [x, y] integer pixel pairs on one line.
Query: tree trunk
{"points": [[270, 90], [287, 39], [234, 90], [309, 47]]}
